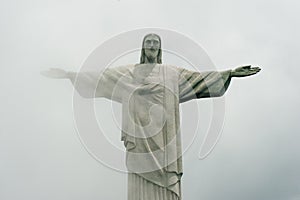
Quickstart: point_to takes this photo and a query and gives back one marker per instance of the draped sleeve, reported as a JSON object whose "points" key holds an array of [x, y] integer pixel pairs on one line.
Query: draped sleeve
{"points": [[193, 85], [111, 83]]}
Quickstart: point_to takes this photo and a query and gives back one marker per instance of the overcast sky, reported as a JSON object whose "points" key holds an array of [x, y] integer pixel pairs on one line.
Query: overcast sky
{"points": [[258, 155]]}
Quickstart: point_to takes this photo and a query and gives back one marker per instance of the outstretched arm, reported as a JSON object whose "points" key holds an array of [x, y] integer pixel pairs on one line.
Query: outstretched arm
{"points": [[109, 83], [194, 85], [85, 82], [57, 73]]}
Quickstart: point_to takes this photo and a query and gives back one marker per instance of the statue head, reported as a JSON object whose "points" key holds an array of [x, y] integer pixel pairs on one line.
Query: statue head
{"points": [[151, 49]]}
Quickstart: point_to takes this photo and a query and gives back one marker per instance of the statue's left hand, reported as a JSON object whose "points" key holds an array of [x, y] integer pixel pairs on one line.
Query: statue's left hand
{"points": [[55, 73], [244, 71]]}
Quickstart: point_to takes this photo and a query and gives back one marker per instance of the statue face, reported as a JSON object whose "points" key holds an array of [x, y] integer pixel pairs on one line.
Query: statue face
{"points": [[151, 46]]}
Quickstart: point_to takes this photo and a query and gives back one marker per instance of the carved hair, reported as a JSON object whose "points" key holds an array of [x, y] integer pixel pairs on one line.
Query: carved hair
{"points": [[143, 55]]}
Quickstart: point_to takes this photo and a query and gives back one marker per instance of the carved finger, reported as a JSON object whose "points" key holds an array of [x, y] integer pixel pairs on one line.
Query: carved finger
{"points": [[247, 67], [255, 68]]}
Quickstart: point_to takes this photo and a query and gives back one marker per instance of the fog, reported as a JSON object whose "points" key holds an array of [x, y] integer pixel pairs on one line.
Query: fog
{"points": [[257, 156]]}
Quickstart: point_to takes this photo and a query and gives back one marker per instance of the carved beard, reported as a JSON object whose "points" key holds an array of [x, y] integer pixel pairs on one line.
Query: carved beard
{"points": [[151, 54]]}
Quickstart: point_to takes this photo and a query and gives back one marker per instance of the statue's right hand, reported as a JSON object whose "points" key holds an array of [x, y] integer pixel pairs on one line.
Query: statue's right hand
{"points": [[55, 73]]}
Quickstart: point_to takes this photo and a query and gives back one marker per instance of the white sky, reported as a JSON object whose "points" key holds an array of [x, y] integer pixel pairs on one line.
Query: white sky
{"points": [[257, 156]]}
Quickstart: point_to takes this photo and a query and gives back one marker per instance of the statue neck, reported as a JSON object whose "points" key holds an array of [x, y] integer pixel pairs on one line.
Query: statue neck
{"points": [[150, 60]]}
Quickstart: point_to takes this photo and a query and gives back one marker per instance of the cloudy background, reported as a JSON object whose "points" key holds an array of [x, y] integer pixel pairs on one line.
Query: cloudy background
{"points": [[257, 157]]}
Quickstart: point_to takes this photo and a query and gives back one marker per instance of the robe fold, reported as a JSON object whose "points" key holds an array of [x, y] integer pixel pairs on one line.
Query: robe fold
{"points": [[150, 119]]}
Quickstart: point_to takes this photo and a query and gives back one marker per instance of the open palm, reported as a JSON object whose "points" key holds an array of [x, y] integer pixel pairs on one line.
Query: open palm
{"points": [[245, 71], [55, 73]]}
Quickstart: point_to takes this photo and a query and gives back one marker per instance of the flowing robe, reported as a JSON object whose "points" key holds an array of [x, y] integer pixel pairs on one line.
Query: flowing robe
{"points": [[150, 119]]}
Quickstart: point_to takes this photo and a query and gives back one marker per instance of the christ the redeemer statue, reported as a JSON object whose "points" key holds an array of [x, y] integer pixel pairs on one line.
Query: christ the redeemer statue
{"points": [[150, 93]]}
